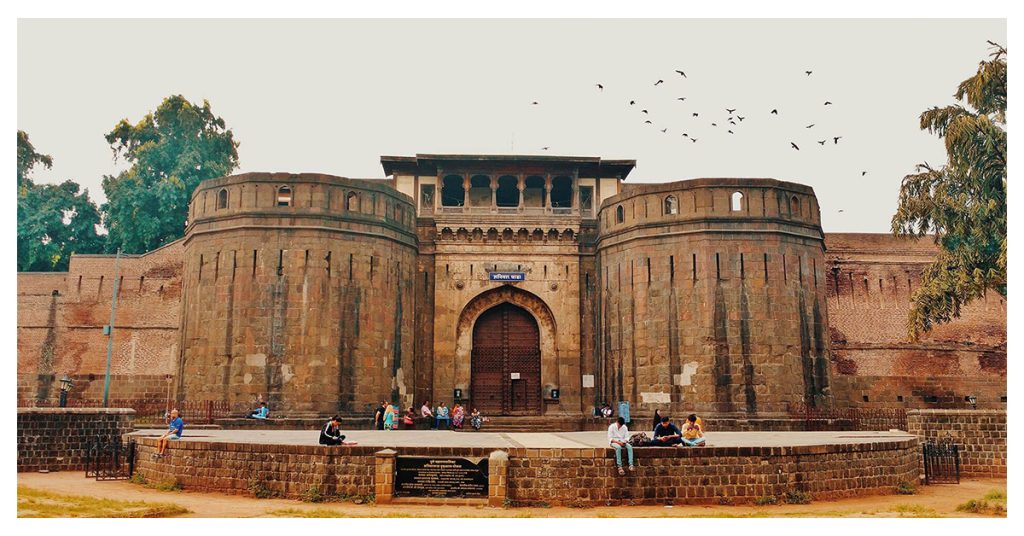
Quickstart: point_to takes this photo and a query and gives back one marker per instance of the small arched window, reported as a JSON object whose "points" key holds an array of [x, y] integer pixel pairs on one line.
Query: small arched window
{"points": [[352, 202], [284, 196], [222, 198], [795, 205], [620, 214], [737, 201], [671, 205]]}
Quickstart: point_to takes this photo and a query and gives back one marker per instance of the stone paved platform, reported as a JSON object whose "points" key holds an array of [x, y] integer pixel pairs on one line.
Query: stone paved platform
{"points": [[444, 438]]}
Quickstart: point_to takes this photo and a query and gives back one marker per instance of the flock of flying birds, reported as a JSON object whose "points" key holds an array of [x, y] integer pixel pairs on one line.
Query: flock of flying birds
{"points": [[731, 123]]}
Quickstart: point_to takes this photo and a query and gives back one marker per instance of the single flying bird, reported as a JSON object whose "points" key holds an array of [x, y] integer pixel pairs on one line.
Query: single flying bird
{"points": [[644, 111], [808, 72], [632, 102], [681, 98], [534, 103], [794, 146], [827, 103], [809, 126], [731, 132], [695, 114], [732, 122], [681, 73], [822, 142], [648, 122], [862, 173], [739, 117], [694, 140], [714, 124], [544, 148], [730, 111], [664, 130], [659, 82], [835, 140], [600, 87], [685, 135], [775, 111]]}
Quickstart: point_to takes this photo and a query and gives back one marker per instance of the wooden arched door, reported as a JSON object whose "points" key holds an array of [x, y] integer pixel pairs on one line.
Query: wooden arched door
{"points": [[506, 362]]}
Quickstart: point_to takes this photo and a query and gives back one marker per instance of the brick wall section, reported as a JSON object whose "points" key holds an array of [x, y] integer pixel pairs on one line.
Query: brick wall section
{"points": [[871, 279], [981, 435], [61, 315], [557, 477], [56, 439]]}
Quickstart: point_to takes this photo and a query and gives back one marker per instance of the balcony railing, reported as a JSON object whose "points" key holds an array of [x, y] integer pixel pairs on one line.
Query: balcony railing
{"points": [[526, 211]]}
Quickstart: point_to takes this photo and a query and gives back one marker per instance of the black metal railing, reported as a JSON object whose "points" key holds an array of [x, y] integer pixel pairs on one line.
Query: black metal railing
{"points": [[941, 462], [110, 459]]}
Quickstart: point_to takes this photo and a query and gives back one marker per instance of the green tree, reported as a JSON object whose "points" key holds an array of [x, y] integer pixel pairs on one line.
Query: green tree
{"points": [[54, 220], [171, 151], [963, 203], [28, 158]]}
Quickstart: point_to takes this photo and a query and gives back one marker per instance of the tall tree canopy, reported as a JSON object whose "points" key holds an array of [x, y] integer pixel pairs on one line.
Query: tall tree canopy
{"points": [[54, 220], [28, 158], [963, 202], [171, 151]]}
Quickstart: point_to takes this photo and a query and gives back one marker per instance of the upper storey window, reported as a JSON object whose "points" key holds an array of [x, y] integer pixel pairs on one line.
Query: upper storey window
{"points": [[453, 193], [284, 196], [533, 191], [620, 214], [507, 194], [587, 199], [561, 192], [222, 198], [736, 201], [352, 202], [794, 206], [671, 205]]}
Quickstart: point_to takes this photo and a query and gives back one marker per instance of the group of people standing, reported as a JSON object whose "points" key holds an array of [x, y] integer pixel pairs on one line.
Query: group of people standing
{"points": [[665, 434]]}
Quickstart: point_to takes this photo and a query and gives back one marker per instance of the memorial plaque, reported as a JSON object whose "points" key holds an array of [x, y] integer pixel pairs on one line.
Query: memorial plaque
{"points": [[506, 276], [420, 476]]}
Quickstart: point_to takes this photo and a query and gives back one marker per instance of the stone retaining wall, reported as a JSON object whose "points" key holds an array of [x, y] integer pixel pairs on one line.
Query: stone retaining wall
{"points": [[981, 435], [56, 439], [577, 477]]}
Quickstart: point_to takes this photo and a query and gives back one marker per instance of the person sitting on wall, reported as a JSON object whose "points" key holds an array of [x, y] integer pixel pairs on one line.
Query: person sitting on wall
{"points": [[175, 428], [442, 415], [458, 415], [378, 416], [606, 411], [618, 437], [667, 434], [330, 434], [657, 420], [261, 413], [427, 414], [409, 420], [476, 420], [693, 432]]}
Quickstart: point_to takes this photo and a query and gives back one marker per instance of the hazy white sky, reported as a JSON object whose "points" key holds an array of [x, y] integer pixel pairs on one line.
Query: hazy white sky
{"points": [[332, 96]]}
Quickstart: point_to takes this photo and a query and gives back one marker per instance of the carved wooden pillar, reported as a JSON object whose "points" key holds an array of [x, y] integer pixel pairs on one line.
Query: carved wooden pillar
{"points": [[521, 183], [465, 191], [494, 193], [547, 192]]}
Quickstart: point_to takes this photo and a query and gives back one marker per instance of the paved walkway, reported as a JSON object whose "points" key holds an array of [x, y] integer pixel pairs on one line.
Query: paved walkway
{"points": [[444, 438]]}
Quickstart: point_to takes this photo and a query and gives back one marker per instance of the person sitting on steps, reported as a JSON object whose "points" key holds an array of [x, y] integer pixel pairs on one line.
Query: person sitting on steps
{"points": [[667, 434], [693, 432], [261, 413], [618, 437]]}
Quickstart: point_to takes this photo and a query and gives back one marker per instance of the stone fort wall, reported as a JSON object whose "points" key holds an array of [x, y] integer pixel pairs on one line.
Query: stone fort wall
{"points": [[710, 303], [298, 290], [685, 303]]}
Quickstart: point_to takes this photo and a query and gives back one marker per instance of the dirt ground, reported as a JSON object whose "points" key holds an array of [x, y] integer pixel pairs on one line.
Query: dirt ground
{"points": [[930, 501]]}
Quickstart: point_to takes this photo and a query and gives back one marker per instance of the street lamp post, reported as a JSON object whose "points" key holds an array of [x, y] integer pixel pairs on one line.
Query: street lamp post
{"points": [[110, 328], [66, 383]]}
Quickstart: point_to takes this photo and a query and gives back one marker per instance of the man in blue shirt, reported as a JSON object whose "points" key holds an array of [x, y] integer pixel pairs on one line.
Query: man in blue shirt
{"points": [[262, 413], [175, 428]]}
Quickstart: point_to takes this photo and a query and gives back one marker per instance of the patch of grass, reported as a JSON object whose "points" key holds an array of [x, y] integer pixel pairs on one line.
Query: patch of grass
{"points": [[973, 506], [138, 478], [906, 488], [313, 495], [259, 489], [995, 495], [725, 501], [166, 485], [38, 503], [914, 510], [766, 500], [798, 497]]}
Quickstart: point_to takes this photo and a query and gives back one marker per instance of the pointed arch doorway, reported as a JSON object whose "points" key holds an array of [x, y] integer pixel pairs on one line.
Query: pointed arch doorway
{"points": [[505, 363]]}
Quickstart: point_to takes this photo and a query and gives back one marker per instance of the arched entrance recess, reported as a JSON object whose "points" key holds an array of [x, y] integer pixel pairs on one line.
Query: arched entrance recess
{"points": [[505, 363], [500, 332]]}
